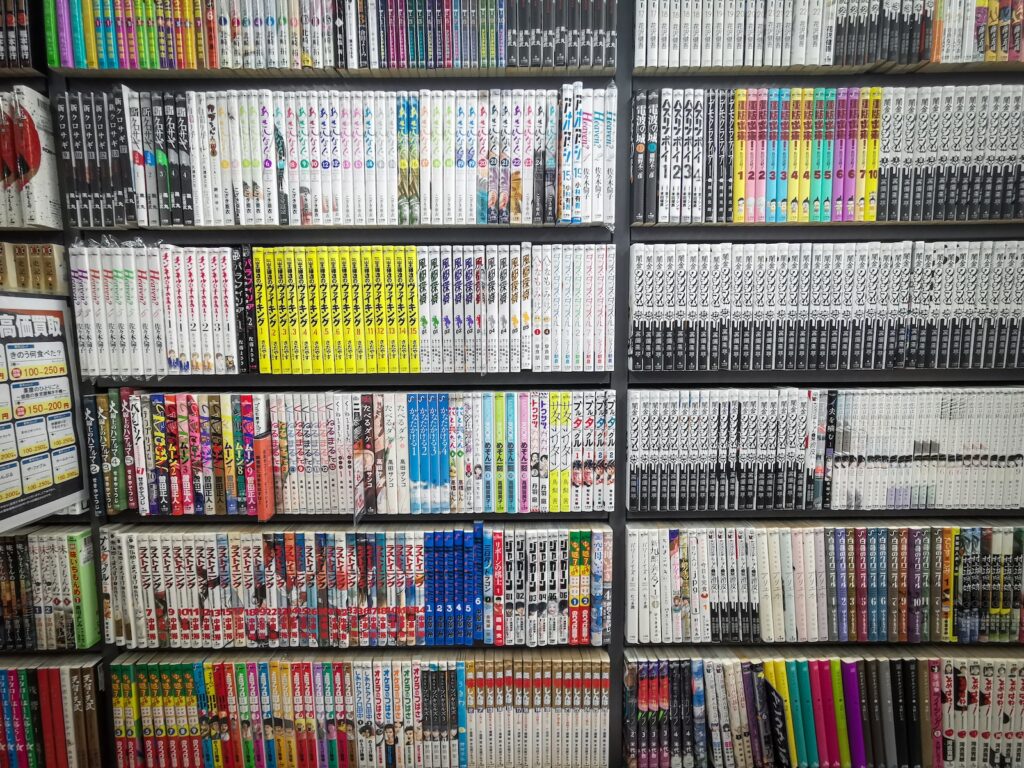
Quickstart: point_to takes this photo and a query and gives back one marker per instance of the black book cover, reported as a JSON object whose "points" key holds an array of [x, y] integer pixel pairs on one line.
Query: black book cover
{"points": [[538, 33], [651, 178], [630, 753], [97, 490], [728, 97], [587, 34], [249, 363], [600, 32], [873, 695], [830, 446], [185, 160], [110, 172], [562, 14], [611, 37], [515, 13], [776, 709], [899, 706], [90, 161], [67, 164], [548, 21], [241, 307], [572, 56], [363, 34], [163, 174], [173, 158]]}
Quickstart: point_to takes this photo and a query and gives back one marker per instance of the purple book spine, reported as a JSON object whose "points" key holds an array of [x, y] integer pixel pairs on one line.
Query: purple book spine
{"points": [[748, 695], [839, 156], [854, 726], [64, 33], [850, 164]]}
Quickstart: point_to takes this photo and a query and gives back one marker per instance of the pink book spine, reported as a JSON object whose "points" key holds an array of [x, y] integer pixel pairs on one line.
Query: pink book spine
{"points": [[839, 155], [524, 452], [828, 710], [761, 127], [935, 710], [248, 455], [824, 755], [850, 163], [498, 558], [18, 710]]}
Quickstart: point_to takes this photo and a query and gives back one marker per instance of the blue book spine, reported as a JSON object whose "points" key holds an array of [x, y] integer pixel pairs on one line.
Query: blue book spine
{"points": [[883, 583], [443, 454], [487, 416], [872, 584], [460, 700], [511, 454], [450, 587], [782, 158], [771, 157], [269, 742], [429, 576], [474, 588], [415, 478], [441, 593], [597, 545], [487, 587], [700, 743], [459, 583], [77, 33], [423, 408], [433, 459], [457, 53], [844, 633]]}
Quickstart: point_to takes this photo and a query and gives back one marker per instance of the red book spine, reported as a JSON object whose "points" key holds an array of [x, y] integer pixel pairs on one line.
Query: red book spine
{"points": [[498, 558], [210, 20], [48, 723], [173, 466], [828, 710], [57, 717], [447, 43]]}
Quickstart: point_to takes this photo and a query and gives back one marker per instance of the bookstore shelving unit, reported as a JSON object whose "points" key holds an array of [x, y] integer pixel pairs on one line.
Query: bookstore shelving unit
{"points": [[622, 236]]}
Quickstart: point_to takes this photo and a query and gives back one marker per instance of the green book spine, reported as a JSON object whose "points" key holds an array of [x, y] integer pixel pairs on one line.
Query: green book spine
{"points": [[798, 716], [818, 116], [499, 453], [82, 567], [117, 449], [840, 704], [330, 705], [50, 23], [807, 710], [31, 750]]}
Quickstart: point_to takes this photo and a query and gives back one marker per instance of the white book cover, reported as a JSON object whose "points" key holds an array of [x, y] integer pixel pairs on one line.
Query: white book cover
{"points": [[440, 136], [610, 156], [503, 339], [515, 308]]}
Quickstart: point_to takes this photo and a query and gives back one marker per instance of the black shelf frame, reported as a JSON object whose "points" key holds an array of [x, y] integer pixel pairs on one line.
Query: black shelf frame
{"points": [[626, 78]]}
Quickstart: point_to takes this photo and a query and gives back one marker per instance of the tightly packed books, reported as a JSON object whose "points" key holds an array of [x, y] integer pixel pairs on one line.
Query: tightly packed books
{"points": [[695, 706], [863, 581], [815, 33], [52, 711], [29, 197], [786, 448], [311, 588], [33, 268], [375, 35], [787, 155], [360, 710], [826, 306], [260, 454], [48, 590], [339, 158], [159, 310]]}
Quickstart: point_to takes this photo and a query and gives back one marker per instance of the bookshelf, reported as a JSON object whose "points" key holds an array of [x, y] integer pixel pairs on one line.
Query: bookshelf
{"points": [[621, 379]]}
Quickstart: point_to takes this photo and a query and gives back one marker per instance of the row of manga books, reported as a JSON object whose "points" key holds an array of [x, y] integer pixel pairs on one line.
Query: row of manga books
{"points": [[786, 155], [475, 708], [825, 582], [339, 158], [160, 310], [825, 306], [787, 448], [352, 35], [692, 706], [821, 33], [51, 711], [29, 197], [258, 454], [33, 268], [48, 590], [310, 588]]}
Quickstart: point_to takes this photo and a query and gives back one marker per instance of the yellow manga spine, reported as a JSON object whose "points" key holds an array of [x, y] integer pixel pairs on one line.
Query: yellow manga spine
{"points": [[379, 318], [189, 27], [356, 301], [303, 310], [326, 267], [316, 346], [863, 121], [401, 312], [262, 322], [796, 128], [412, 309], [391, 304], [369, 315], [348, 355], [992, 31], [334, 306], [294, 323], [806, 143], [283, 318], [89, 34], [566, 398], [874, 132], [739, 149], [782, 686]]}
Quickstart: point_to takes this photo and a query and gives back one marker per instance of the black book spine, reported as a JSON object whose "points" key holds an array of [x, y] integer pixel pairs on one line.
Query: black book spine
{"points": [[102, 116], [562, 13], [600, 25], [651, 178], [97, 491], [630, 734], [163, 175], [587, 36], [572, 54], [173, 158], [238, 284], [89, 160], [915, 748], [548, 22], [515, 10], [830, 447], [127, 171], [251, 349], [899, 706], [185, 160], [611, 36], [538, 36], [114, 132], [67, 164]]}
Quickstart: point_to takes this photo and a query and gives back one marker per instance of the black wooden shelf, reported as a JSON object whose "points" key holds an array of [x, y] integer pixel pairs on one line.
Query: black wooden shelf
{"points": [[825, 516], [368, 521], [946, 377]]}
